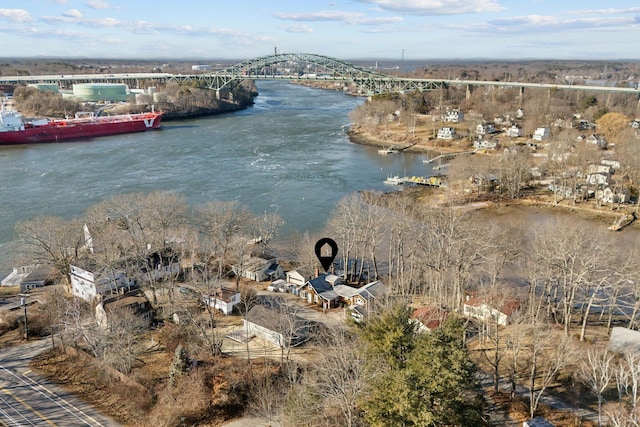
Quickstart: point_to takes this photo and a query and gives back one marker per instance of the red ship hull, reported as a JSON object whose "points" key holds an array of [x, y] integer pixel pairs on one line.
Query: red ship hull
{"points": [[65, 130]]}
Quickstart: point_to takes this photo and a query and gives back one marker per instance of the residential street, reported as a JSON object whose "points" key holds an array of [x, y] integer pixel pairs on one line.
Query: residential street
{"points": [[26, 399]]}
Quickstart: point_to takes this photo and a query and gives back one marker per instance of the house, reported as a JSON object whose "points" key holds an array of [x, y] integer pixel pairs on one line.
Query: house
{"points": [[90, 281], [16, 275], [161, 265], [320, 290], [585, 125], [614, 164], [135, 302], [541, 134], [635, 124], [485, 128], [360, 301], [498, 308], [37, 278], [514, 131], [29, 277], [223, 299], [429, 318], [607, 195], [276, 326], [597, 140], [486, 144], [446, 133], [598, 178], [294, 278], [258, 269], [453, 116], [624, 340]]}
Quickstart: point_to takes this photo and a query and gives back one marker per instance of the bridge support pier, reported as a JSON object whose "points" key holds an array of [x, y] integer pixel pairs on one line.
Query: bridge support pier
{"points": [[469, 91], [218, 94], [521, 95]]}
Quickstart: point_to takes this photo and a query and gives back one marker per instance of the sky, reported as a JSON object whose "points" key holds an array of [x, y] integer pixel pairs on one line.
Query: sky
{"points": [[343, 29]]}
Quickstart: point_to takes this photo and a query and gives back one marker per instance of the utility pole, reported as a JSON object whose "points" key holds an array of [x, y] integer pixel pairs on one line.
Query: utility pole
{"points": [[23, 304]]}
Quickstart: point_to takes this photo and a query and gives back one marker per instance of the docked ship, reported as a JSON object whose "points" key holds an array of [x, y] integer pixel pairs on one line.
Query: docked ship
{"points": [[15, 130]]}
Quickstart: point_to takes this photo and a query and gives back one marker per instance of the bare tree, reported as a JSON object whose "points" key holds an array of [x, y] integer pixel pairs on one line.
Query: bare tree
{"points": [[342, 373], [595, 371], [548, 354], [51, 241]]}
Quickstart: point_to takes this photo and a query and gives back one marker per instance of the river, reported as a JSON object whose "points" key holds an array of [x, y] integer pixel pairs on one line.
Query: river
{"points": [[286, 154]]}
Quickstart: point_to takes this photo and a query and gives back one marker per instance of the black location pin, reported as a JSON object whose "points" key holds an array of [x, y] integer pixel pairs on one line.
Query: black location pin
{"points": [[325, 260]]}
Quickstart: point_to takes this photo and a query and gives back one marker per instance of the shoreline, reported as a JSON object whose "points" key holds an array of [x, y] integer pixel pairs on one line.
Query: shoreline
{"points": [[368, 139], [584, 211]]}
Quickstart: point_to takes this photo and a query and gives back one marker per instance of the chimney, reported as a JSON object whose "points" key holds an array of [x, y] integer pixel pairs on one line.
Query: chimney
{"points": [[316, 272]]}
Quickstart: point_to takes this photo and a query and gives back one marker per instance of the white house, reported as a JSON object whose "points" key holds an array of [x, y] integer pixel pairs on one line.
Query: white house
{"points": [[223, 299], [607, 195], [453, 116], [89, 282], [259, 269], [486, 144], [485, 128], [500, 310], [294, 278], [446, 133], [541, 134], [514, 131], [614, 164], [597, 140]]}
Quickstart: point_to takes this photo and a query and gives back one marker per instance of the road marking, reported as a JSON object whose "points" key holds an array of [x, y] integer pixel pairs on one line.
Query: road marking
{"points": [[29, 407]]}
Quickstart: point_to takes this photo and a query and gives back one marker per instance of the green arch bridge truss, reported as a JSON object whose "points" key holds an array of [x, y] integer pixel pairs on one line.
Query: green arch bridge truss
{"points": [[311, 67]]}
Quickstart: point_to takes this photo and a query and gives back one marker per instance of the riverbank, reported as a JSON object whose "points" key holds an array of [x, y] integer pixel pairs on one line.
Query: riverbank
{"points": [[412, 145]]}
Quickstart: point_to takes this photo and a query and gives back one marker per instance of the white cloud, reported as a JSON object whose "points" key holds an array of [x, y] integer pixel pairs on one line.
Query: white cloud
{"points": [[73, 13], [437, 7], [15, 15], [297, 28], [98, 4], [352, 18], [545, 24]]}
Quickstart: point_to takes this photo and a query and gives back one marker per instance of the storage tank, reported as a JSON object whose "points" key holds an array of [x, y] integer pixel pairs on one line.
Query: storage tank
{"points": [[114, 92]]}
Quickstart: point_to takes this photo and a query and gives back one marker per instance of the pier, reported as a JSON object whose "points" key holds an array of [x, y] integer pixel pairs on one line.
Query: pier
{"points": [[448, 156]]}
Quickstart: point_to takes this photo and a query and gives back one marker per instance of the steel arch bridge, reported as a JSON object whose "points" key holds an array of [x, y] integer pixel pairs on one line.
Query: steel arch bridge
{"points": [[296, 66]]}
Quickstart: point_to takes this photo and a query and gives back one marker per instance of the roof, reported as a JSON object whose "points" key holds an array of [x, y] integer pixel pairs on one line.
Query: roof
{"points": [[623, 340], [368, 291], [328, 295], [40, 274], [224, 294], [120, 301], [270, 318], [319, 284], [505, 304], [430, 316], [272, 268]]}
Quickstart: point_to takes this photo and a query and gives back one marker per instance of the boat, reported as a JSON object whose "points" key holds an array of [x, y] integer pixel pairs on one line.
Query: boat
{"points": [[388, 150], [15, 130], [394, 180]]}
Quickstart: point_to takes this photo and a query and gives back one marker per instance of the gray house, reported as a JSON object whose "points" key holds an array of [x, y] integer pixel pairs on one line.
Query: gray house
{"points": [[276, 326]]}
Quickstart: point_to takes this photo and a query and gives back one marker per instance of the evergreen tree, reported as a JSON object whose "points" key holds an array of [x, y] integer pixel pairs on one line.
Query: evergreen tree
{"points": [[425, 376], [179, 365]]}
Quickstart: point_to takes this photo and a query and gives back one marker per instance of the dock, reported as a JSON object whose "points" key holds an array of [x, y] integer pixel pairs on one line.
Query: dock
{"points": [[448, 156]]}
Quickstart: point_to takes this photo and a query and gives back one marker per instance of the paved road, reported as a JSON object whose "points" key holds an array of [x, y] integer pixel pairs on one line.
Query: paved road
{"points": [[26, 399]]}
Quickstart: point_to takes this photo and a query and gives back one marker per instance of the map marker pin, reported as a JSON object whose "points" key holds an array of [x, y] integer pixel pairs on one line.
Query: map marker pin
{"points": [[325, 260]]}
